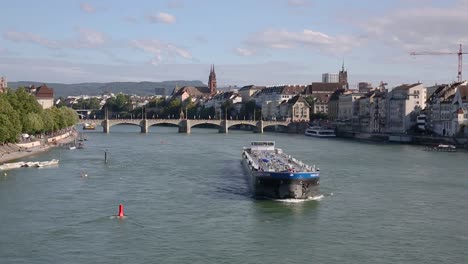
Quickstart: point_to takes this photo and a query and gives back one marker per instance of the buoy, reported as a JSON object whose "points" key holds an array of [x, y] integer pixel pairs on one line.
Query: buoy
{"points": [[121, 211]]}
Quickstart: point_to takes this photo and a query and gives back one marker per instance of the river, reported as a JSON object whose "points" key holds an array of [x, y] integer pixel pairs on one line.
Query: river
{"points": [[187, 201]]}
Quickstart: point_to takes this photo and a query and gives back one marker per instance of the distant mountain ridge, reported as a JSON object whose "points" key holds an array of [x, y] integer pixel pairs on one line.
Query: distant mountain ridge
{"points": [[94, 88]]}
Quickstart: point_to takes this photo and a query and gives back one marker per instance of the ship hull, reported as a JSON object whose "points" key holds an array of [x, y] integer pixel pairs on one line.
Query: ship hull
{"points": [[281, 185]]}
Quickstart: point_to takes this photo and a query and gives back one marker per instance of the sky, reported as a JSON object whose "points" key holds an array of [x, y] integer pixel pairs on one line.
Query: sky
{"points": [[261, 42]]}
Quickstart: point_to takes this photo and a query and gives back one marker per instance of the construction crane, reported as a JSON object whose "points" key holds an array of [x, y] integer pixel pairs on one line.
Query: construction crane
{"points": [[459, 53]]}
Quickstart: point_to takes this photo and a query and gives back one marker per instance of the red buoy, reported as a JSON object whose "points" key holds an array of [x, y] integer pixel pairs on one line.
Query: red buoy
{"points": [[121, 210]]}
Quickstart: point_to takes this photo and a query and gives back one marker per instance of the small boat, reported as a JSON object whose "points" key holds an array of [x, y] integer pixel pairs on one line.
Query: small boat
{"points": [[29, 164], [72, 147], [317, 131], [89, 126], [442, 148], [14, 165], [42, 164], [275, 175]]}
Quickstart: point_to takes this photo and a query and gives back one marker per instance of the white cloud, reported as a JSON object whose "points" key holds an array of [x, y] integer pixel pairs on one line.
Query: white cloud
{"points": [[283, 39], [162, 18], [89, 38], [161, 51], [422, 28], [85, 7], [246, 52], [30, 37]]}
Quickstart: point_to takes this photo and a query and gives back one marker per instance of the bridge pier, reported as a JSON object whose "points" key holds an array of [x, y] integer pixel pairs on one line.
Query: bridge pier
{"points": [[224, 127], [260, 127], [105, 126], [184, 126], [144, 126]]}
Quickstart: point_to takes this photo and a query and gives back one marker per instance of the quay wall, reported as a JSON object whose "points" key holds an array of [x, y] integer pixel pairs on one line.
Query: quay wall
{"points": [[404, 138]]}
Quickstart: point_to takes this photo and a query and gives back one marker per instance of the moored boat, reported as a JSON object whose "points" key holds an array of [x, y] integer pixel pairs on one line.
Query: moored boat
{"points": [[442, 148], [29, 164], [317, 131], [276, 175], [89, 126]]}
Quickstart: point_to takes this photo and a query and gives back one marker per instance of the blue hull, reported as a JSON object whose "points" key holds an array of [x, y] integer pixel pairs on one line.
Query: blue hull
{"points": [[289, 175]]}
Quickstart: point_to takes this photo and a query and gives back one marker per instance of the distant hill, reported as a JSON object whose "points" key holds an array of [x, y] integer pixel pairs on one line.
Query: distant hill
{"points": [[139, 88]]}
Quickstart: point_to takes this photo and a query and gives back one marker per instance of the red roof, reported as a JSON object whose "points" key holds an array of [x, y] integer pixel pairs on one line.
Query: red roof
{"points": [[44, 92]]}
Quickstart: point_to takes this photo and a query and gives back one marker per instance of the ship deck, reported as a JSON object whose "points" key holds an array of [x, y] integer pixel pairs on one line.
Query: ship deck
{"points": [[271, 161]]}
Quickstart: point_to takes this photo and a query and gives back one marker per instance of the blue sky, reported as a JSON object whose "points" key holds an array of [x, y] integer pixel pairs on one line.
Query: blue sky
{"points": [[250, 42]]}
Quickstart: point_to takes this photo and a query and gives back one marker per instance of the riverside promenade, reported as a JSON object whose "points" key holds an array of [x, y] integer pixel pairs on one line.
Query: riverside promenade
{"points": [[12, 151]]}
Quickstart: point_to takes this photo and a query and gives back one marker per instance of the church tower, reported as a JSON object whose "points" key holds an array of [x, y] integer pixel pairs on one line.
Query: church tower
{"points": [[212, 80], [343, 77]]}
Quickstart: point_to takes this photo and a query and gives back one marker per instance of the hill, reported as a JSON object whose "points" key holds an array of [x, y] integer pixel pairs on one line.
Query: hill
{"points": [[139, 88]]}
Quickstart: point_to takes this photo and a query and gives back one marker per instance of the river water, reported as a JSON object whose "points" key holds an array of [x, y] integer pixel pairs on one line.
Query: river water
{"points": [[187, 201]]}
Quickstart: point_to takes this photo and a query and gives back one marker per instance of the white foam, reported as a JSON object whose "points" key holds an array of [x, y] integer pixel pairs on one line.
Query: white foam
{"points": [[313, 198]]}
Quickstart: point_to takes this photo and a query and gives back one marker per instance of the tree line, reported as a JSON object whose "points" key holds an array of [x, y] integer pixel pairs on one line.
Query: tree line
{"points": [[21, 113]]}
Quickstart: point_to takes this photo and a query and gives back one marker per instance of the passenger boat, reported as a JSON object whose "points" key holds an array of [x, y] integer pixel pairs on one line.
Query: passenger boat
{"points": [[89, 126], [317, 131], [276, 175]]}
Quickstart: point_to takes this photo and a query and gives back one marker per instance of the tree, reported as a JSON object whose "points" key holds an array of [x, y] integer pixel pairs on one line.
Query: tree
{"points": [[32, 123]]}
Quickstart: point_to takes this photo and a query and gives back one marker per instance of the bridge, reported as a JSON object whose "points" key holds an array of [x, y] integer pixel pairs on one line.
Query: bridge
{"points": [[184, 125]]}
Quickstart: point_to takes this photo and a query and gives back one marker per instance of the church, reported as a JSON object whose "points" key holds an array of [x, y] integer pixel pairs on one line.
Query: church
{"points": [[198, 92]]}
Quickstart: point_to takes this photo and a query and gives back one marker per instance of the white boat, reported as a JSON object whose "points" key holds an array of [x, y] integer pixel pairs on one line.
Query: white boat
{"points": [[317, 131], [29, 164], [9, 166], [42, 164], [72, 147]]}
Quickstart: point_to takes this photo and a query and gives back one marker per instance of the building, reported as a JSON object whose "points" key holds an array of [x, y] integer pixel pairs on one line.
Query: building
{"points": [[439, 109], [197, 92], [333, 105], [295, 109], [330, 78], [248, 91], [212, 81], [221, 98], [44, 96], [321, 92], [348, 107], [343, 77], [270, 98], [460, 107], [364, 87], [405, 102]]}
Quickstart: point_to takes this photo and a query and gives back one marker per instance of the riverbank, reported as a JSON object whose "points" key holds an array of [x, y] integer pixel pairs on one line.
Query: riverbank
{"points": [[9, 152], [406, 139]]}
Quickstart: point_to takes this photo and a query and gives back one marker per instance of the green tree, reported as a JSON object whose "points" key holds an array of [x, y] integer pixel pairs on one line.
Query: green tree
{"points": [[10, 121], [32, 123]]}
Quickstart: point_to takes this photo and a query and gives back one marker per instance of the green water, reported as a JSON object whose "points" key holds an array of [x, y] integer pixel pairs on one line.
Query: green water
{"points": [[187, 201]]}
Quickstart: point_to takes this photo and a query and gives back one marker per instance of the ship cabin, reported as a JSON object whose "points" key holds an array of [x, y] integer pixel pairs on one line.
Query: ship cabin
{"points": [[262, 145]]}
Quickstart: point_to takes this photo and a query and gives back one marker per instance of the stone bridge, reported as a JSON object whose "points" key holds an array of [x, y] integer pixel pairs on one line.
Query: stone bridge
{"points": [[184, 125]]}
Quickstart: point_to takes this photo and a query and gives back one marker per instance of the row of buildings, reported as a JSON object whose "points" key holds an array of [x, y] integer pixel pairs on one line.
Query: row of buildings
{"points": [[440, 109]]}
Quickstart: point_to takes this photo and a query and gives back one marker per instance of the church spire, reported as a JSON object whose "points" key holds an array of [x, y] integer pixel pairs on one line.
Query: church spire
{"points": [[342, 66], [212, 80]]}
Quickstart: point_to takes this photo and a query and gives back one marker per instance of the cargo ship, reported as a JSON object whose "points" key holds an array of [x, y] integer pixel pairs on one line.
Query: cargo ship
{"points": [[272, 174]]}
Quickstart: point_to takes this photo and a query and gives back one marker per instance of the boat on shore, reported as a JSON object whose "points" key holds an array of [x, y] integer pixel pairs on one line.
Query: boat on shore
{"points": [[317, 131], [273, 174]]}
